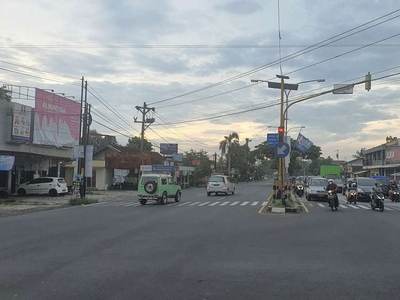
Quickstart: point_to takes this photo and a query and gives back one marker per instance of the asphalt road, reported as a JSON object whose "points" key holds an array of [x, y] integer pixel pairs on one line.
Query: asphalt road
{"points": [[201, 249]]}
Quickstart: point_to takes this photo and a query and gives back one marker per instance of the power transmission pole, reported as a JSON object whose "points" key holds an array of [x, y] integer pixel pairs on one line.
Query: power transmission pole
{"points": [[215, 161], [84, 141], [144, 110]]}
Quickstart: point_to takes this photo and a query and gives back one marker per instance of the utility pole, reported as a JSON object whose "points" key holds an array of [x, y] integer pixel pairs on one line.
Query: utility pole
{"points": [[144, 110], [215, 161], [84, 141], [78, 160]]}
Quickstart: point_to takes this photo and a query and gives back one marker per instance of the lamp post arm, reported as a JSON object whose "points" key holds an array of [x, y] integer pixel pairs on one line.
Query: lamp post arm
{"points": [[320, 94]]}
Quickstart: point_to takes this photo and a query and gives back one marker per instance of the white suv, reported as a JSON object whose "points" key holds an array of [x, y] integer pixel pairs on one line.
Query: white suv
{"points": [[220, 184], [52, 186]]}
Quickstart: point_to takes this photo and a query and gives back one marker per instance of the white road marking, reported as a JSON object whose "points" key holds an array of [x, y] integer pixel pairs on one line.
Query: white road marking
{"points": [[234, 203], [342, 206], [221, 199], [388, 208], [352, 206], [215, 203], [204, 203], [194, 203], [364, 207], [182, 204], [265, 203], [310, 204], [254, 203], [244, 203], [133, 204], [225, 203], [319, 204]]}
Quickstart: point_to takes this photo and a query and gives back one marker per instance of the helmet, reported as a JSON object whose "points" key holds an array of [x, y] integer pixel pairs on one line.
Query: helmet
{"points": [[330, 180]]}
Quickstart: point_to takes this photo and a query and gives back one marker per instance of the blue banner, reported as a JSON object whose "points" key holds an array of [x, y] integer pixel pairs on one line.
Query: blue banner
{"points": [[6, 162], [303, 143]]}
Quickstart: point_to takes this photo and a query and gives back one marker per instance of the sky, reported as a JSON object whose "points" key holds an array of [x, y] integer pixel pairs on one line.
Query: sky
{"points": [[193, 61]]}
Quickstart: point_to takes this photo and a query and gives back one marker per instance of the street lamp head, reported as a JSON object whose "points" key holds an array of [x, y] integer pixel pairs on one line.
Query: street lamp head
{"points": [[254, 80], [321, 80]]}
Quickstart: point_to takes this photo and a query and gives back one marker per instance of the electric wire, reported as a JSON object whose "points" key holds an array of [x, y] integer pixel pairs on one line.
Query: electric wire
{"points": [[291, 56]]}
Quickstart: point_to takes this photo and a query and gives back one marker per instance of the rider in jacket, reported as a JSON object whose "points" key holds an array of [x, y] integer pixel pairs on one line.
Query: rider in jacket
{"points": [[332, 187]]}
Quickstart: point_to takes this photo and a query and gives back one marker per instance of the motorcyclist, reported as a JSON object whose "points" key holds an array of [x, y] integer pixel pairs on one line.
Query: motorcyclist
{"points": [[332, 187], [392, 187]]}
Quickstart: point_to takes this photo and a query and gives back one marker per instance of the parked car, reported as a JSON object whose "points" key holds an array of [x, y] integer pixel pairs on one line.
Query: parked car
{"points": [[158, 187], [315, 188], [52, 186], [220, 184]]}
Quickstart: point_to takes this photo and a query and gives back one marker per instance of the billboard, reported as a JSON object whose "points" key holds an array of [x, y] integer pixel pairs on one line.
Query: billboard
{"points": [[57, 120], [168, 148], [21, 126]]}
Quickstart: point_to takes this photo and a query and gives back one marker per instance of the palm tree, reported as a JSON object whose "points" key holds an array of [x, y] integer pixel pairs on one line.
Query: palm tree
{"points": [[225, 147], [360, 153]]}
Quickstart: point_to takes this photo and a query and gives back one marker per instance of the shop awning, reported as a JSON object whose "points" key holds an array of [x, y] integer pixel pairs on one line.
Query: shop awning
{"points": [[6, 162]]}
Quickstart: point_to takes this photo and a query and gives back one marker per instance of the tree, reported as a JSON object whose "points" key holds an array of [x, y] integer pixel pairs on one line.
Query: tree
{"points": [[360, 153], [203, 169], [225, 146], [390, 138], [5, 95], [133, 145]]}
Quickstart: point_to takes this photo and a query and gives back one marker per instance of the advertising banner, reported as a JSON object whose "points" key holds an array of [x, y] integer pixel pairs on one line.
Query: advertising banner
{"points": [[21, 126], [168, 148], [6, 162], [89, 161], [57, 120], [303, 143]]}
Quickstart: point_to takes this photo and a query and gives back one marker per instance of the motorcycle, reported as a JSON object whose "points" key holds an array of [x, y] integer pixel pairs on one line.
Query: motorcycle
{"points": [[395, 195], [352, 196], [300, 190], [331, 200], [377, 201], [3, 192]]}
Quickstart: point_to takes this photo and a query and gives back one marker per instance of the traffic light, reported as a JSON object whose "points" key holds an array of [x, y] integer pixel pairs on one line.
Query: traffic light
{"points": [[368, 81], [281, 132]]}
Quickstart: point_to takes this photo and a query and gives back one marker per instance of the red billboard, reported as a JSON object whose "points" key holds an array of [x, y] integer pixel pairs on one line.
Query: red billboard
{"points": [[57, 120]]}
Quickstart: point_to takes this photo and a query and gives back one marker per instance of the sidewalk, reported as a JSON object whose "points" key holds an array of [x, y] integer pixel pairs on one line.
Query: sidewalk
{"points": [[16, 205]]}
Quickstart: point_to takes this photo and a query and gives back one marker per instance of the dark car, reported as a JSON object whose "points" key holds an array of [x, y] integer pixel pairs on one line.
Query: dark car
{"points": [[383, 184], [364, 188], [339, 184]]}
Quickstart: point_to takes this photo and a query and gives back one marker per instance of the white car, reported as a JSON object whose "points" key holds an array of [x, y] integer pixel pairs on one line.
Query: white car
{"points": [[52, 186], [220, 184]]}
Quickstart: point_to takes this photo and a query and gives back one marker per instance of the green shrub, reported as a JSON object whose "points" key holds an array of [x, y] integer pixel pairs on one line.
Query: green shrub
{"points": [[82, 201]]}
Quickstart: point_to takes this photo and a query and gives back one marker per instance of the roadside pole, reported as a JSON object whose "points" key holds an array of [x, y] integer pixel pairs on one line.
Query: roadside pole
{"points": [[281, 161]]}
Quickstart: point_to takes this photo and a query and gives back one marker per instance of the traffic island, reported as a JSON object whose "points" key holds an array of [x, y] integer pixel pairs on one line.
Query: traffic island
{"points": [[275, 205]]}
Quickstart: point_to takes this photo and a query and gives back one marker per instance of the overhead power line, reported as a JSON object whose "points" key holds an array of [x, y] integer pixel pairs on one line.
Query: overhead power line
{"points": [[257, 108], [291, 56]]}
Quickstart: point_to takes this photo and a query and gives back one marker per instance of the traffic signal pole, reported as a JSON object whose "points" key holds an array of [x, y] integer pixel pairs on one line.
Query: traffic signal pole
{"points": [[281, 161]]}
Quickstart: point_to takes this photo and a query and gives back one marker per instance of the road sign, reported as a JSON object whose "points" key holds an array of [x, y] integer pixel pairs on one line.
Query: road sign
{"points": [[342, 89], [272, 139], [282, 149]]}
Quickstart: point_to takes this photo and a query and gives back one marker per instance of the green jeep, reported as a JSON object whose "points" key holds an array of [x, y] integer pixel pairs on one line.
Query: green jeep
{"points": [[158, 187]]}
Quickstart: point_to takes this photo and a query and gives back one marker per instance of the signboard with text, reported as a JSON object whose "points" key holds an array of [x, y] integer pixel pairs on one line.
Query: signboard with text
{"points": [[168, 148]]}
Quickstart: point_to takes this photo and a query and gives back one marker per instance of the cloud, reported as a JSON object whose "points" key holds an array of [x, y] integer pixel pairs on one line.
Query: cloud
{"points": [[240, 7]]}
